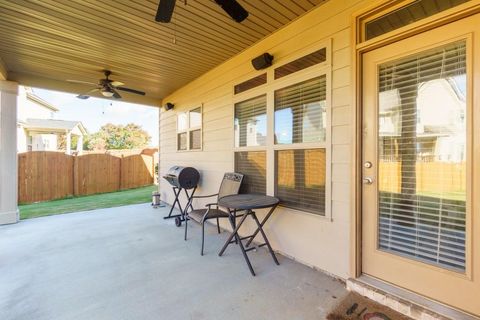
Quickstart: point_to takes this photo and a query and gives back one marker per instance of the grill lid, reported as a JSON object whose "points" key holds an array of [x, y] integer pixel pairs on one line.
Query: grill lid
{"points": [[182, 177]]}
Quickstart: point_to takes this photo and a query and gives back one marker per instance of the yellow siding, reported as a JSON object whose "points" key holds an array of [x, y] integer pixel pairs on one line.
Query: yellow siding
{"points": [[313, 240]]}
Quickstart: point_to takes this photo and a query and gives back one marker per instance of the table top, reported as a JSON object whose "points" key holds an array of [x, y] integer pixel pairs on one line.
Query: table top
{"points": [[248, 201]]}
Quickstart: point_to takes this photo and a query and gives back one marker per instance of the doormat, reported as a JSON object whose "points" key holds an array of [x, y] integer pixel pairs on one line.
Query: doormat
{"points": [[356, 307]]}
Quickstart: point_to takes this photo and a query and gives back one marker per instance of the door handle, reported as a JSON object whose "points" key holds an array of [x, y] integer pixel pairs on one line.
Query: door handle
{"points": [[367, 180]]}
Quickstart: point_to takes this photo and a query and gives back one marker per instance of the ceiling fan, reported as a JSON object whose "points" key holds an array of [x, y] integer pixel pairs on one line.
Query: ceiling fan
{"points": [[107, 87], [231, 7]]}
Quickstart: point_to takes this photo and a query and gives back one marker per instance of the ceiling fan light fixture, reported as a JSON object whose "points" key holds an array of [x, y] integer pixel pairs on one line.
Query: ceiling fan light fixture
{"points": [[106, 92]]}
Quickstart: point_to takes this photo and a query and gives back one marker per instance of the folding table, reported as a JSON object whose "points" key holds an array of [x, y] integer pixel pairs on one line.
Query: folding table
{"points": [[247, 203]]}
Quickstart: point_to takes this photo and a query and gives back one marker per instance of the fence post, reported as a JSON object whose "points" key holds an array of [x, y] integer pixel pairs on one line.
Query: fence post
{"points": [[75, 175], [120, 181]]}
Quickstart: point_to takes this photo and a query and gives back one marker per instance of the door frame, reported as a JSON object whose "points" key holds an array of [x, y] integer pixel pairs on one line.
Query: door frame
{"points": [[358, 20]]}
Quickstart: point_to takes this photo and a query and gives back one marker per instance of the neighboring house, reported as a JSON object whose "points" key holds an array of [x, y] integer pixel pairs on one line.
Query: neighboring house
{"points": [[436, 127], [37, 130]]}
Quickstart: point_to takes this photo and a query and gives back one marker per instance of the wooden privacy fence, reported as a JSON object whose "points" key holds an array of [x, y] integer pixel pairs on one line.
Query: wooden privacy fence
{"points": [[44, 175], [431, 177]]}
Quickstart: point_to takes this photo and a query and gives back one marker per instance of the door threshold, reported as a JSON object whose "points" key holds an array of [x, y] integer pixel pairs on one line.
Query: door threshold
{"points": [[403, 301]]}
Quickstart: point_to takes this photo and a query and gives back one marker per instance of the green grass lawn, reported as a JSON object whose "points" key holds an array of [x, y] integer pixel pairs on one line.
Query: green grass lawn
{"points": [[83, 203]]}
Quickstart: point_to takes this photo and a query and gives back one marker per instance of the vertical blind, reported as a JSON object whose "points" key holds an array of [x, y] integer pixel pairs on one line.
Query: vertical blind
{"points": [[300, 112], [252, 164], [300, 179], [251, 122], [422, 168]]}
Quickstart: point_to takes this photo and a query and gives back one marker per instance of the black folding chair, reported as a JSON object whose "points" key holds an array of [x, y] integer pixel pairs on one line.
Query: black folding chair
{"points": [[230, 185]]}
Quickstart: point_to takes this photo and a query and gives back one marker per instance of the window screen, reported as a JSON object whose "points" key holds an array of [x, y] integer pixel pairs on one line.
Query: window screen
{"points": [[251, 122], [422, 169], [252, 164], [300, 179], [406, 15], [251, 83], [300, 112], [301, 63], [182, 141], [195, 139]]}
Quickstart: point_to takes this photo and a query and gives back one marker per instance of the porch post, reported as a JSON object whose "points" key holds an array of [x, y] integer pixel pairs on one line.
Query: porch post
{"points": [[8, 153], [69, 143], [80, 144]]}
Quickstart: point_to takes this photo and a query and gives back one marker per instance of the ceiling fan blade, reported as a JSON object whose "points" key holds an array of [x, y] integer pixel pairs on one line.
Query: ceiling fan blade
{"points": [[116, 95], [87, 95], [233, 9], [117, 83], [165, 10], [131, 90], [82, 82]]}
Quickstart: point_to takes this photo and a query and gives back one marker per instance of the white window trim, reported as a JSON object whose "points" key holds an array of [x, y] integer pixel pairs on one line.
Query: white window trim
{"points": [[324, 68], [190, 129]]}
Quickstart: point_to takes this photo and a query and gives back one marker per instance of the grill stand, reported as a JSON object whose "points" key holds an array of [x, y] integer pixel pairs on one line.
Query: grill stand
{"points": [[181, 217]]}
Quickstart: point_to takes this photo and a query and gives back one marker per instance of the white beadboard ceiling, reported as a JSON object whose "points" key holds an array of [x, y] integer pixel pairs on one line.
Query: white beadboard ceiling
{"points": [[45, 42]]}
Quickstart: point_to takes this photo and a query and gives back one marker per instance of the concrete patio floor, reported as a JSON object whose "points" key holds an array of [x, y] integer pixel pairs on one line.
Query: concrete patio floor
{"points": [[130, 263]]}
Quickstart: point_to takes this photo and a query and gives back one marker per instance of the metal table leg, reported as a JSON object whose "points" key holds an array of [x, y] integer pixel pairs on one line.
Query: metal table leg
{"points": [[234, 232], [261, 224], [264, 238], [239, 241]]}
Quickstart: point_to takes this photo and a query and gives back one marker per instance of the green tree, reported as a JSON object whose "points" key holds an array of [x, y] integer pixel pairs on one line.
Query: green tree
{"points": [[112, 136], [62, 142]]}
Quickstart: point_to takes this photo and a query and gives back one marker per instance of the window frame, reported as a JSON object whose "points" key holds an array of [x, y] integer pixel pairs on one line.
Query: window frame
{"points": [[379, 9], [324, 68], [189, 129]]}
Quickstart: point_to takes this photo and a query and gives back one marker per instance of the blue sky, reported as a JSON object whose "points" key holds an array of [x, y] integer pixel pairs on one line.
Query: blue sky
{"points": [[95, 112]]}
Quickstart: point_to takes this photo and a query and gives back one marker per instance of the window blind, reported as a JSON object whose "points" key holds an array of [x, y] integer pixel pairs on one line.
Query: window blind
{"points": [[301, 63], [300, 179], [252, 164], [251, 122], [422, 171], [300, 112], [415, 11], [250, 84]]}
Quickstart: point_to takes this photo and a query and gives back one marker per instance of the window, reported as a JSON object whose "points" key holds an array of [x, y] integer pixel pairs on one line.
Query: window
{"points": [[189, 130], [250, 84], [403, 16], [282, 135], [301, 119], [253, 165], [300, 112], [301, 63], [251, 122], [300, 179]]}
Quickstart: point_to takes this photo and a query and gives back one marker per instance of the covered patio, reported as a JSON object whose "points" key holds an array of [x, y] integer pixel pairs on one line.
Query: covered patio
{"points": [[130, 263], [360, 117]]}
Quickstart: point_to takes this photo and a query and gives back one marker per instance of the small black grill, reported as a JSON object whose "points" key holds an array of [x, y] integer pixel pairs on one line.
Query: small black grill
{"points": [[183, 177]]}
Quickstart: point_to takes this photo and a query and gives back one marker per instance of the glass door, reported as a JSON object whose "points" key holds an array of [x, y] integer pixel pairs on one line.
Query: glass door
{"points": [[418, 173]]}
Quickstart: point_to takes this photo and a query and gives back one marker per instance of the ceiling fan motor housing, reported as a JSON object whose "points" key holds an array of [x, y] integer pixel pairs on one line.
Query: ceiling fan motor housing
{"points": [[165, 11]]}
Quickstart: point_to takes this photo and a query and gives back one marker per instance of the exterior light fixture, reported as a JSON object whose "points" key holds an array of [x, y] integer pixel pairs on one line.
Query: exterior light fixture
{"points": [[168, 106]]}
